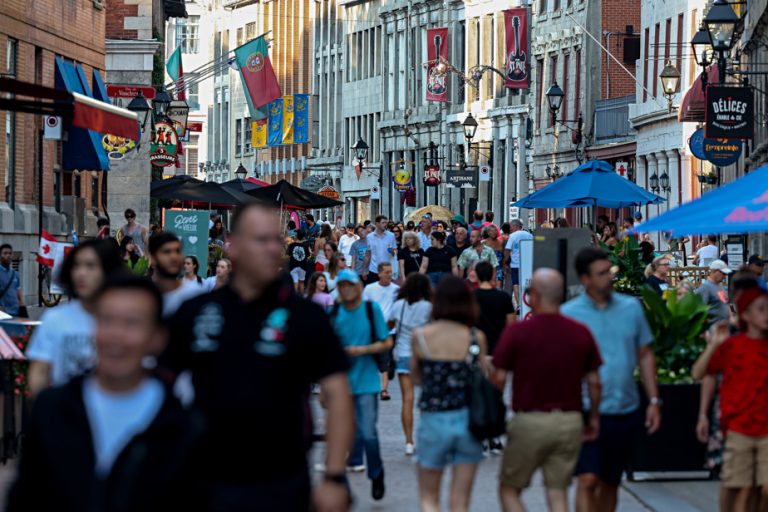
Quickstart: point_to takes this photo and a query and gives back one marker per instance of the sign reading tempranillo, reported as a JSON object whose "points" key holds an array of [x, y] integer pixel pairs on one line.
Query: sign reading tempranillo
{"points": [[730, 113]]}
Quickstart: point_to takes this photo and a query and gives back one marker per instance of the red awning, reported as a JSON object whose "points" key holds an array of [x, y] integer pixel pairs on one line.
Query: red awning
{"points": [[86, 113], [694, 105]]}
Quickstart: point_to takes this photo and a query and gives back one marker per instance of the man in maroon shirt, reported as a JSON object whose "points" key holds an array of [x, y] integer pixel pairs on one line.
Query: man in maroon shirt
{"points": [[548, 356]]}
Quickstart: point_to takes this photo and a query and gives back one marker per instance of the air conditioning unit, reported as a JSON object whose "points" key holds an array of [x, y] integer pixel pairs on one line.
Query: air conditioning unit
{"points": [[75, 210]]}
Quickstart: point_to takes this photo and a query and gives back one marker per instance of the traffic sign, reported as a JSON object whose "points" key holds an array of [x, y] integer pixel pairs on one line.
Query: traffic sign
{"points": [[130, 91], [485, 173], [52, 129]]}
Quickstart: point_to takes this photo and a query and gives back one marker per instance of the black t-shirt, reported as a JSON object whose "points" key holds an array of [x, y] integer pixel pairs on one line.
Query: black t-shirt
{"points": [[251, 371], [495, 305], [298, 254], [411, 260], [440, 259], [657, 284]]}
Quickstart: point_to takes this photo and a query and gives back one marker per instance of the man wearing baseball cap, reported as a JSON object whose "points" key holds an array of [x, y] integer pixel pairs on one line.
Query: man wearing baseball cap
{"points": [[713, 293], [363, 332], [756, 265]]}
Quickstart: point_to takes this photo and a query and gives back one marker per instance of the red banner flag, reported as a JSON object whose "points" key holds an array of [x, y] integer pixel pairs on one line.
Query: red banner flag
{"points": [[437, 48], [516, 25]]}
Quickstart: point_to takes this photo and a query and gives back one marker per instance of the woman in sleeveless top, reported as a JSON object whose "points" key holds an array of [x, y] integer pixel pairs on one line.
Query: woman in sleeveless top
{"points": [[440, 363]]}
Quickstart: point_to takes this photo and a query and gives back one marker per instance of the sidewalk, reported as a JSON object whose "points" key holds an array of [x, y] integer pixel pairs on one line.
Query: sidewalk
{"points": [[676, 495]]}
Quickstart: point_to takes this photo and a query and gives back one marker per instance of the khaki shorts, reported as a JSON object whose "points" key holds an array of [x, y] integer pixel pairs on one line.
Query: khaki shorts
{"points": [[547, 440], [745, 461]]}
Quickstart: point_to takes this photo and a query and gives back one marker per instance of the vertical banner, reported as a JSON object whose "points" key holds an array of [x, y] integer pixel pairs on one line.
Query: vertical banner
{"points": [[516, 26], [259, 134], [275, 130], [288, 119], [191, 226], [301, 118], [437, 48]]}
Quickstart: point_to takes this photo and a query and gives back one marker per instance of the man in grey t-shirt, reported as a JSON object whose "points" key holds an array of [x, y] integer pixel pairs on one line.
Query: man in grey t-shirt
{"points": [[713, 293], [361, 253]]}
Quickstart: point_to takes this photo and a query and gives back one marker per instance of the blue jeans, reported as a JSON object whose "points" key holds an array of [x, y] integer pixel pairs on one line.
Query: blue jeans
{"points": [[366, 437], [435, 277]]}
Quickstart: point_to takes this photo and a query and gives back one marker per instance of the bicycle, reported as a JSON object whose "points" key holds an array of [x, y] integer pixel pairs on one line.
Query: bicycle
{"points": [[48, 298]]}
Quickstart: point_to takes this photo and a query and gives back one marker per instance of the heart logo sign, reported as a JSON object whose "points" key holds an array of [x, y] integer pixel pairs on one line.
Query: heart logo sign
{"points": [[192, 240]]}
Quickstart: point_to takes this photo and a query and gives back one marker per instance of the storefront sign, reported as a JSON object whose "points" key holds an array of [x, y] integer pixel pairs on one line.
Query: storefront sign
{"points": [[696, 143], [432, 175], [437, 50], [458, 177], [179, 117], [722, 152], [329, 192], [195, 126], [402, 179], [730, 112], [116, 147], [164, 145]]}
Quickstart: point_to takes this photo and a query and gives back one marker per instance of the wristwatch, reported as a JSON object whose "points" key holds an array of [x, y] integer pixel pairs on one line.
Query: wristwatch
{"points": [[656, 401], [337, 478]]}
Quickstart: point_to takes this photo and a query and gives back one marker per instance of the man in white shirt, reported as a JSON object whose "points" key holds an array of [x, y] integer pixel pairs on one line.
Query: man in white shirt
{"points": [[512, 256], [707, 253], [425, 233], [346, 240], [166, 259], [382, 245], [384, 293]]}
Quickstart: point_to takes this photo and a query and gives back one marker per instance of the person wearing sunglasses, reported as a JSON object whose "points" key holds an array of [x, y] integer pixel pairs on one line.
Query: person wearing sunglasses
{"points": [[134, 230]]}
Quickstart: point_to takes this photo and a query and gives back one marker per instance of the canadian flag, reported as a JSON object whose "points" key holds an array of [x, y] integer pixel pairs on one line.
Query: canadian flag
{"points": [[47, 249]]}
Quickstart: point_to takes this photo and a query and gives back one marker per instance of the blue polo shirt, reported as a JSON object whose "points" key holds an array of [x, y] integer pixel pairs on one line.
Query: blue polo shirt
{"points": [[9, 302], [620, 329], [354, 330]]}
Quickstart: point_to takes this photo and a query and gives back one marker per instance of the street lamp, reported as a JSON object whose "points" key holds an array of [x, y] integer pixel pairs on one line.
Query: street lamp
{"points": [[654, 182], [241, 172], [361, 149], [702, 47], [664, 181], [142, 109], [470, 128], [721, 23], [670, 79], [162, 101], [555, 97]]}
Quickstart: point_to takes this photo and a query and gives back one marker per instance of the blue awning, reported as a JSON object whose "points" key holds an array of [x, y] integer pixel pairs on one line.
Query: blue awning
{"points": [[82, 150]]}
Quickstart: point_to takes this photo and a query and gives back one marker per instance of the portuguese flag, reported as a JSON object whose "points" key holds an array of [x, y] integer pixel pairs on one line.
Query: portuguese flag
{"points": [[257, 73], [176, 72]]}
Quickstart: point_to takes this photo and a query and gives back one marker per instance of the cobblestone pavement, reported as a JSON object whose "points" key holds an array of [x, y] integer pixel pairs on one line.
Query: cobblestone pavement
{"points": [[400, 471]]}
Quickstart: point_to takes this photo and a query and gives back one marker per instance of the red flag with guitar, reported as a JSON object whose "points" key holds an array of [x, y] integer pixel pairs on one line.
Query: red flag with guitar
{"points": [[437, 48], [517, 65]]}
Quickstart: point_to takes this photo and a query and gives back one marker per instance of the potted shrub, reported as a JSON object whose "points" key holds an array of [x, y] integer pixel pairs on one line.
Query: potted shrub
{"points": [[678, 327], [625, 258]]}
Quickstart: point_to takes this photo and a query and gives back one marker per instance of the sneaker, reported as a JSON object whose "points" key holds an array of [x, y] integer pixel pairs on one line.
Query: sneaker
{"points": [[409, 448], [496, 447], [356, 469], [377, 487]]}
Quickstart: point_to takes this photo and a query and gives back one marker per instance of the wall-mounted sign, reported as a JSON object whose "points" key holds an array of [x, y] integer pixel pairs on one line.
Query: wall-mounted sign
{"points": [[621, 169], [179, 117], [432, 175], [402, 179], [130, 91], [329, 192], [722, 152], [730, 112], [696, 143], [116, 147], [437, 49], [516, 65], [485, 173], [457, 177], [375, 192], [164, 145], [195, 126], [52, 127]]}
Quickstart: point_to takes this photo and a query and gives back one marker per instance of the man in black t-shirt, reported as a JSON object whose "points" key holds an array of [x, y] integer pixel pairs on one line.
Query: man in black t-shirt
{"points": [[253, 348], [298, 257], [495, 305]]}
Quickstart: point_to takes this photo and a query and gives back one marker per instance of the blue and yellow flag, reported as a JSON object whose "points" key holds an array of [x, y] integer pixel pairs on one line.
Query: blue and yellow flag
{"points": [[275, 130], [259, 134], [288, 119], [300, 118]]}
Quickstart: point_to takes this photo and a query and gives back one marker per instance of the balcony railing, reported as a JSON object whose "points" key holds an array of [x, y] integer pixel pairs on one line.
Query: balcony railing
{"points": [[612, 120]]}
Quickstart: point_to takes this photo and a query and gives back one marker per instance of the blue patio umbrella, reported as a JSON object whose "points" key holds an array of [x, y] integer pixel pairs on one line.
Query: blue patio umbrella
{"points": [[738, 207], [594, 183]]}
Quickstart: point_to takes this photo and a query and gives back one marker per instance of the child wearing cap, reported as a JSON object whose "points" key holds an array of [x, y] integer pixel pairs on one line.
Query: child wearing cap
{"points": [[743, 362]]}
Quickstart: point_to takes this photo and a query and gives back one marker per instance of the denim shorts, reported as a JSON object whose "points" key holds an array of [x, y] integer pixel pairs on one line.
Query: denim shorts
{"points": [[444, 439], [403, 365]]}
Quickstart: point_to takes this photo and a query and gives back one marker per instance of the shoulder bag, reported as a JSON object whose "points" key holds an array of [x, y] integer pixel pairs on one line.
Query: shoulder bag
{"points": [[487, 413]]}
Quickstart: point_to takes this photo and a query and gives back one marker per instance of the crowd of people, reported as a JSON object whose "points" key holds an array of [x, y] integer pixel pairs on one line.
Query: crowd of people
{"points": [[179, 391]]}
